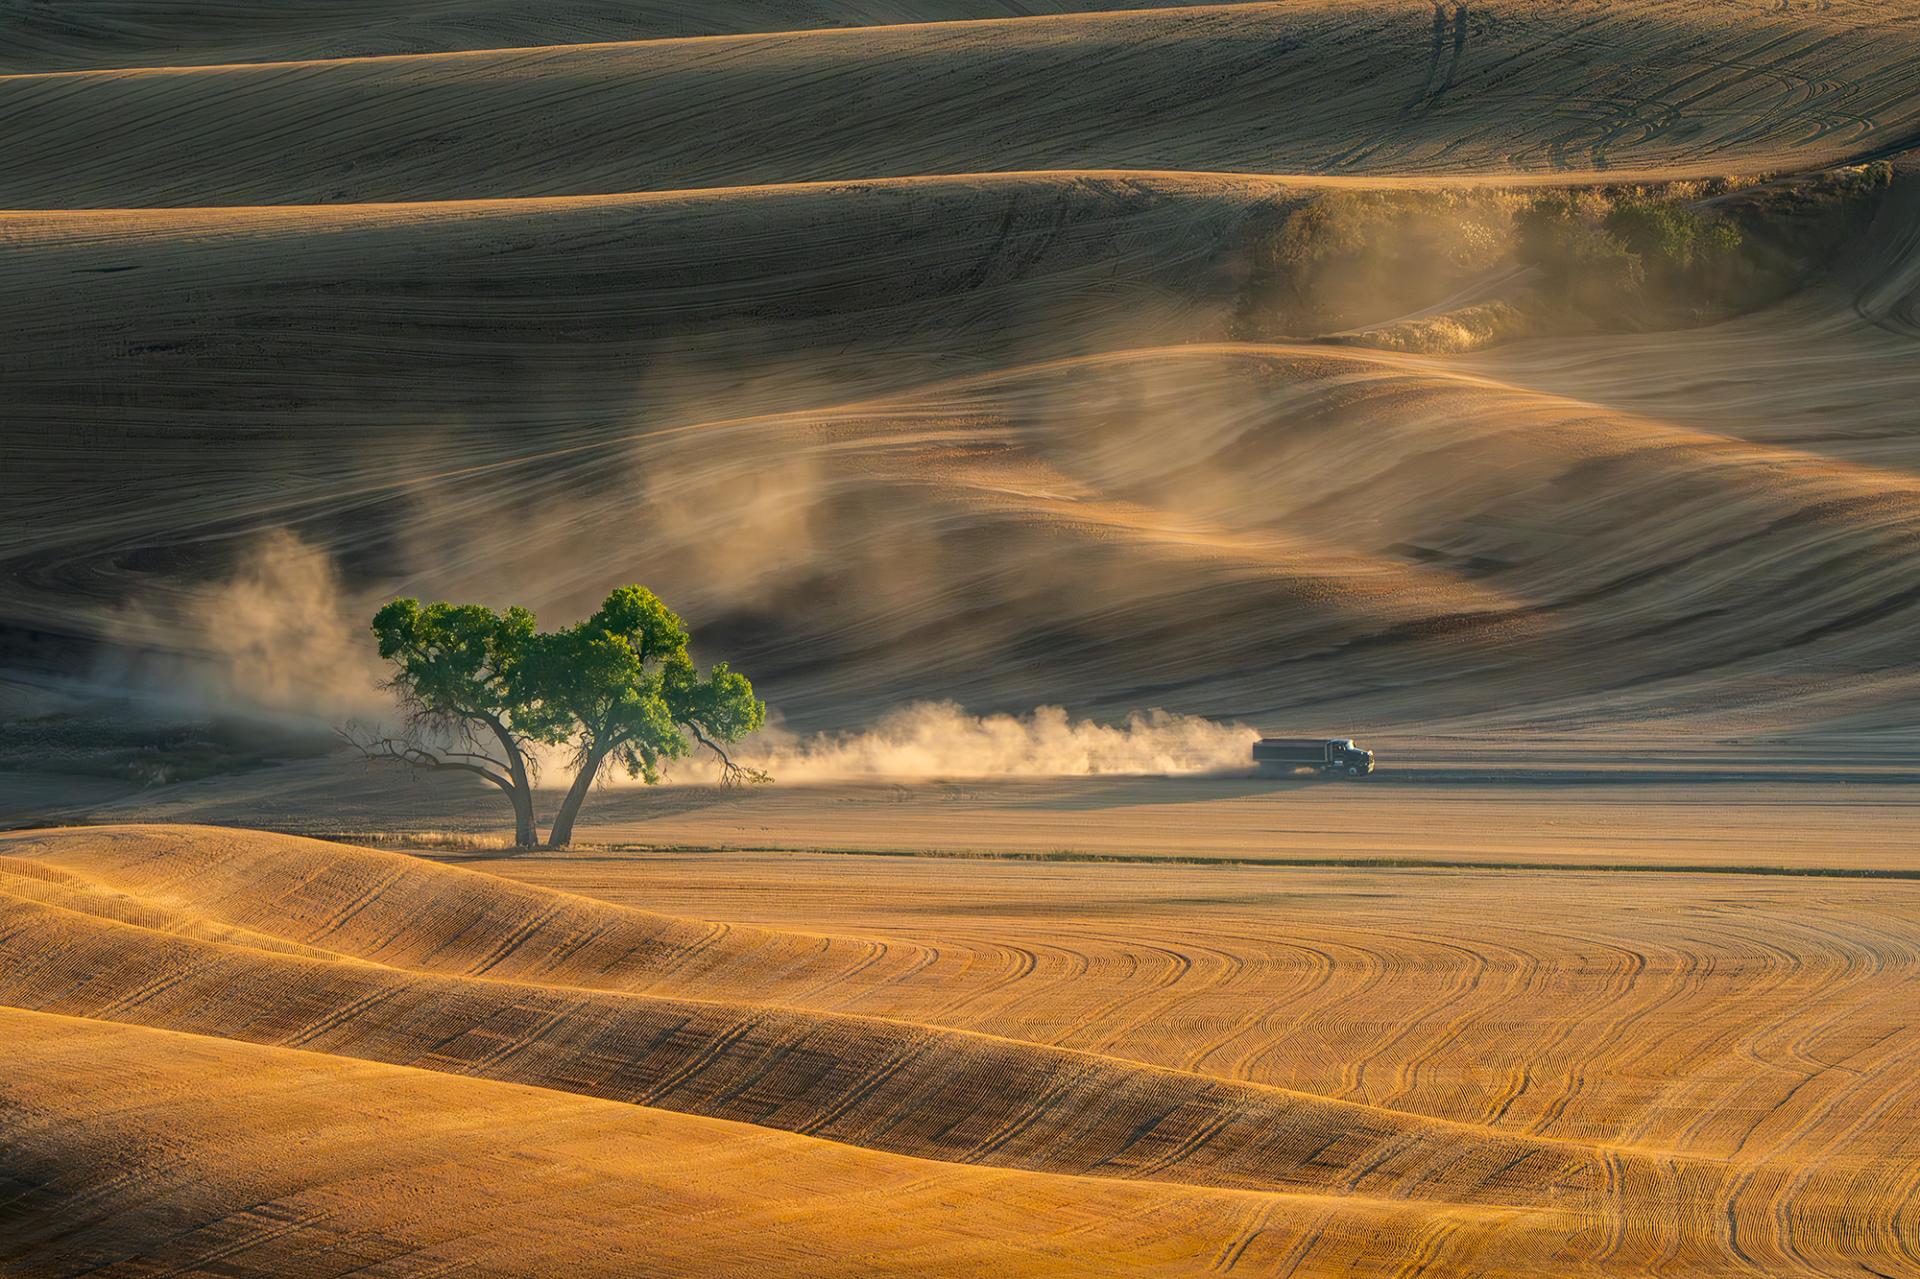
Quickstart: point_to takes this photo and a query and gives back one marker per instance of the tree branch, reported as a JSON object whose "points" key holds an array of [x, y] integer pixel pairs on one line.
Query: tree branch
{"points": [[516, 744], [732, 773], [394, 750]]}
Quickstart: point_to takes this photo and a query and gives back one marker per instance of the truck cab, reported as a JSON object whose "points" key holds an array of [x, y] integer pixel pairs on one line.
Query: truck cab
{"points": [[1333, 756]]}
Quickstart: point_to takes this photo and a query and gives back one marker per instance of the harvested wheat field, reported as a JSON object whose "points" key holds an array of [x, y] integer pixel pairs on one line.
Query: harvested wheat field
{"points": [[1042, 402], [328, 1057]]}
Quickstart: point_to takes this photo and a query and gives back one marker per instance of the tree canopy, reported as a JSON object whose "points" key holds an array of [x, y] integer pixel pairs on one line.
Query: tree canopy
{"points": [[482, 690]]}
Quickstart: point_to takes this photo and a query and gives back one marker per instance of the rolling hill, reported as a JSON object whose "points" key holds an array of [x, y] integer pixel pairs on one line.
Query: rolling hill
{"points": [[496, 1012], [377, 301], [1527, 380]]}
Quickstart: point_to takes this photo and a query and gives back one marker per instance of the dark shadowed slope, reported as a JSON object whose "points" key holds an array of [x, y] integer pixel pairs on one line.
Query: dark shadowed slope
{"points": [[1320, 526], [80, 34], [938, 436], [1331, 86]]}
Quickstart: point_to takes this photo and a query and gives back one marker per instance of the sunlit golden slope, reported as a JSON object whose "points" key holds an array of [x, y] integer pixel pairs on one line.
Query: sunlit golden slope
{"points": [[900, 1086], [218, 1157], [113, 926], [892, 1086], [887, 338], [1331, 86]]}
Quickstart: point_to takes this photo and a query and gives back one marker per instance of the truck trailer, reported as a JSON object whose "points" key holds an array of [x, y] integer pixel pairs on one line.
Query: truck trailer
{"points": [[1334, 756]]}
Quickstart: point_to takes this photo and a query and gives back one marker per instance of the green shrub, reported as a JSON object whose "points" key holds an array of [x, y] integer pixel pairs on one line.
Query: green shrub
{"points": [[1582, 265], [1678, 244], [1374, 265], [1339, 258]]}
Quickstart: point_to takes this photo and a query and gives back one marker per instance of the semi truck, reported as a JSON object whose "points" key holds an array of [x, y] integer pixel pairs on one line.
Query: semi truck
{"points": [[1334, 756]]}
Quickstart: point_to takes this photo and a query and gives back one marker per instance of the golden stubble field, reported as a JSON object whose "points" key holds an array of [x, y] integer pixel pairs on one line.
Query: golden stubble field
{"points": [[325, 1057], [920, 350]]}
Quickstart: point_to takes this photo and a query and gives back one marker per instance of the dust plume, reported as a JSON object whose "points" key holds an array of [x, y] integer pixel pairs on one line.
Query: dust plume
{"points": [[274, 636], [940, 739]]}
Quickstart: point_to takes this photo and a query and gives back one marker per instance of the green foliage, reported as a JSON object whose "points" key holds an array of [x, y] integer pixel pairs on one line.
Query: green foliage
{"points": [[1608, 254], [1582, 265], [1320, 263], [620, 688], [1376, 267], [457, 660], [1673, 239]]}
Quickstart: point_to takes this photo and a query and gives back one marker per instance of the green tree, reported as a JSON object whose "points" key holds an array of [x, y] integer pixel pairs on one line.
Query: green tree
{"points": [[622, 690], [481, 689], [459, 675]]}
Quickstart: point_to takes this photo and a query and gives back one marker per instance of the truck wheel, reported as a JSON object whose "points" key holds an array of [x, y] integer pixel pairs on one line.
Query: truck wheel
{"points": [[1353, 770]]}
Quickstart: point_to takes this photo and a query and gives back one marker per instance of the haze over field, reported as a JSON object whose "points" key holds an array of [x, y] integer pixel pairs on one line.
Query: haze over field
{"points": [[1040, 400], [459, 324]]}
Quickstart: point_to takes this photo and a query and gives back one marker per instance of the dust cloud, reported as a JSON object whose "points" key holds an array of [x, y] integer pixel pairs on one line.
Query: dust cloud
{"points": [[940, 739], [277, 636], [272, 638]]}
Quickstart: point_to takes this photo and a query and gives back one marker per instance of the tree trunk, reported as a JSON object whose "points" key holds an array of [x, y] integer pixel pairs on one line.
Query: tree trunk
{"points": [[561, 833], [526, 834]]}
